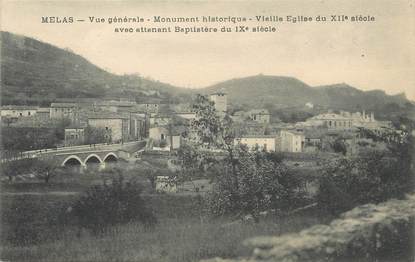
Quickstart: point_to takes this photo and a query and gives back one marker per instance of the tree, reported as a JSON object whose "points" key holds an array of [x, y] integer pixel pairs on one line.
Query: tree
{"points": [[339, 146], [106, 205], [261, 183], [370, 178], [13, 168], [95, 135], [246, 182], [46, 168]]}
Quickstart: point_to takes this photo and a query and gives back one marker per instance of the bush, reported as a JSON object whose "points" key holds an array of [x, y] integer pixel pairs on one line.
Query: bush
{"points": [[117, 202], [260, 182], [31, 220], [371, 178]]}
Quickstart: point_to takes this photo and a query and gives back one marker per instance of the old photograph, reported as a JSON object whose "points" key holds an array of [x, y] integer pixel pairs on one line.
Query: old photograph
{"points": [[207, 130]]}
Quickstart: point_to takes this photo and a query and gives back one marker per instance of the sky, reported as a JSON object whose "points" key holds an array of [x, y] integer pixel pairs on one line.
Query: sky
{"points": [[372, 55]]}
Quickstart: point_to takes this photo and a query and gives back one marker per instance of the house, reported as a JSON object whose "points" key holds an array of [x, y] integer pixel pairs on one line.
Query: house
{"points": [[314, 139], [64, 110], [260, 116], [13, 111], [333, 121], [137, 125], [149, 107], [117, 125], [262, 142], [291, 141], [344, 120], [43, 113], [74, 135], [169, 136], [115, 106], [220, 102]]}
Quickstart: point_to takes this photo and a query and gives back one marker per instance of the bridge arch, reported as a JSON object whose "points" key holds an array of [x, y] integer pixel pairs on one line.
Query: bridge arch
{"points": [[92, 156], [110, 157], [72, 158]]}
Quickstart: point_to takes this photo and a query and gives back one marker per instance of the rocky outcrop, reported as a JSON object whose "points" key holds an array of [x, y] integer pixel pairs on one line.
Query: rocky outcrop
{"points": [[369, 231]]}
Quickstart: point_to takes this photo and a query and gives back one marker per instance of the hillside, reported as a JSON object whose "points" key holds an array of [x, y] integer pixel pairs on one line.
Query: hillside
{"points": [[281, 91], [344, 96], [35, 72]]}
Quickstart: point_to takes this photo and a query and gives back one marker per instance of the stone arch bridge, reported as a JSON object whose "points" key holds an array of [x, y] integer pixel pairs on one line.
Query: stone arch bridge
{"points": [[90, 158], [85, 156]]}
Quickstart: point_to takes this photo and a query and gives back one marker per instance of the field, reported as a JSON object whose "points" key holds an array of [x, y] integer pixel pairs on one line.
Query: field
{"points": [[183, 232]]}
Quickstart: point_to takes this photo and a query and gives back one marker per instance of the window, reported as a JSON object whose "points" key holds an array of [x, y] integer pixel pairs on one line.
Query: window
{"points": [[28, 113], [21, 114], [162, 136]]}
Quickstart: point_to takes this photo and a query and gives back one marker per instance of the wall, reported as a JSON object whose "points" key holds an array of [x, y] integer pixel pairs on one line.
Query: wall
{"points": [[18, 112], [261, 142], [156, 133], [291, 142], [368, 233], [220, 101], [115, 125], [60, 112]]}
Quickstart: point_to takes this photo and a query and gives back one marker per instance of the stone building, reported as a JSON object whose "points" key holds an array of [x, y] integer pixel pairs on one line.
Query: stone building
{"points": [[115, 106], [118, 126], [334, 121], [262, 142], [43, 113], [13, 111], [171, 136], [291, 141], [149, 107], [220, 102], [74, 135], [121, 127], [260, 116], [64, 110]]}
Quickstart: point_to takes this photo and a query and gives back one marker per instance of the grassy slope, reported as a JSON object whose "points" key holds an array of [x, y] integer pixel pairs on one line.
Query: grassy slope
{"points": [[186, 239]]}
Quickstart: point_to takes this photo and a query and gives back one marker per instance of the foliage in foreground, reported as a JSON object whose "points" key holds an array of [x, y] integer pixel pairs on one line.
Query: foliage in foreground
{"points": [[247, 180], [172, 239], [371, 178], [117, 202], [255, 182]]}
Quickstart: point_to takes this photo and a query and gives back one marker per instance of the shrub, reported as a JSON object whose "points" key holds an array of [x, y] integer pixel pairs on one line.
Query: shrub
{"points": [[117, 202], [260, 182], [28, 220], [371, 178]]}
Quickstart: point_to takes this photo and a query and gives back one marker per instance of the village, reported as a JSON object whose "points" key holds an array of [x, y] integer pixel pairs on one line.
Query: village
{"points": [[165, 128], [164, 125]]}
